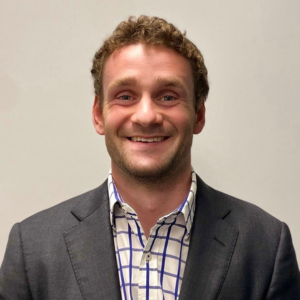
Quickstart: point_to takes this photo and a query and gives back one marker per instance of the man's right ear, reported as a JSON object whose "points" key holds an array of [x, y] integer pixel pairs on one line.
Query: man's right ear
{"points": [[98, 117]]}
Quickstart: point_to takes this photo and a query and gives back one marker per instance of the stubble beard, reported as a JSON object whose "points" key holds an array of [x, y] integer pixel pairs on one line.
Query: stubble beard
{"points": [[165, 169]]}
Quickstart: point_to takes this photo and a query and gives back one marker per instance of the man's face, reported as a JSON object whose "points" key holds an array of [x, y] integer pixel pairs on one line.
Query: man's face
{"points": [[148, 115]]}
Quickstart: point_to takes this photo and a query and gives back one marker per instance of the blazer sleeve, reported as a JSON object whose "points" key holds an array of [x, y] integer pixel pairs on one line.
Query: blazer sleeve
{"points": [[13, 279], [285, 282]]}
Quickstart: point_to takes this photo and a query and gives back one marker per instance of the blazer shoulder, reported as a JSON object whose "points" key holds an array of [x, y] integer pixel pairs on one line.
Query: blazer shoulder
{"points": [[241, 214], [61, 216], [245, 210]]}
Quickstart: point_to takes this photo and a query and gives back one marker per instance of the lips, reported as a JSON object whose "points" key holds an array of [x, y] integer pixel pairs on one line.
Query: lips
{"points": [[148, 140]]}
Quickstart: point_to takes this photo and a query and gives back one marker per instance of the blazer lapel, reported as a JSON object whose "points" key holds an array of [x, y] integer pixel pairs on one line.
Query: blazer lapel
{"points": [[91, 248], [211, 247]]}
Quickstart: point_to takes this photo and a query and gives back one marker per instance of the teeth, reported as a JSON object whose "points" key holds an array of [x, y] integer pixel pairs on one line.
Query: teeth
{"points": [[144, 140]]}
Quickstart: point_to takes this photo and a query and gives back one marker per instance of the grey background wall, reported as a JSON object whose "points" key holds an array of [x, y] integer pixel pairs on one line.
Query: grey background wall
{"points": [[250, 145]]}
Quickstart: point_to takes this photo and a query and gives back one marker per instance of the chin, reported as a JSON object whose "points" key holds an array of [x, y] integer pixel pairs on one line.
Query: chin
{"points": [[149, 173]]}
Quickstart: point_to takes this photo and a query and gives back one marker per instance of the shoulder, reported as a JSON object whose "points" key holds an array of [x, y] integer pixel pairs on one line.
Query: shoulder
{"points": [[244, 216], [243, 211], [62, 216]]}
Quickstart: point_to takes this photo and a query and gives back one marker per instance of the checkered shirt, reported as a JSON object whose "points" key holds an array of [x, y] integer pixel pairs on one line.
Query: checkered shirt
{"points": [[153, 268]]}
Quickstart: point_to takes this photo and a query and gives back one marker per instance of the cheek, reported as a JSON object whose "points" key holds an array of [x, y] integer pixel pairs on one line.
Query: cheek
{"points": [[184, 121], [115, 119]]}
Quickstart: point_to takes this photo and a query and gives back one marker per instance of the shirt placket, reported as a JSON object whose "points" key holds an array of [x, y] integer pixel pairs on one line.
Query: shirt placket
{"points": [[147, 275], [148, 279]]}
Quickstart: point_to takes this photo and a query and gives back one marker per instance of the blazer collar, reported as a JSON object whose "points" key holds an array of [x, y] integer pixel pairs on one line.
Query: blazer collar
{"points": [[91, 247], [211, 247]]}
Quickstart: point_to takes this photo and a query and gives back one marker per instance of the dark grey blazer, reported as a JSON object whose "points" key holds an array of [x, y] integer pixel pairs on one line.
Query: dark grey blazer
{"points": [[237, 252]]}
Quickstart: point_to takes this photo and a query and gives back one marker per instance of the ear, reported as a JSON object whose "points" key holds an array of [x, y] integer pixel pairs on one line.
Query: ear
{"points": [[200, 120], [98, 117]]}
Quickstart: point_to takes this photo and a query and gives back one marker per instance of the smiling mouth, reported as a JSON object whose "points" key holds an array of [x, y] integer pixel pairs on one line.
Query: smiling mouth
{"points": [[148, 140]]}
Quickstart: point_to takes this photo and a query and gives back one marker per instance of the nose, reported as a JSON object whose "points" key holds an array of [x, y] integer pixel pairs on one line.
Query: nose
{"points": [[146, 112]]}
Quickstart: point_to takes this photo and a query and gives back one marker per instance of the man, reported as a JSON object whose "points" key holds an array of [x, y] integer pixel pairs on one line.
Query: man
{"points": [[154, 229]]}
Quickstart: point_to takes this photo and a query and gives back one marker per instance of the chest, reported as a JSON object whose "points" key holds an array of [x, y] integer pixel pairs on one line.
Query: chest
{"points": [[150, 268]]}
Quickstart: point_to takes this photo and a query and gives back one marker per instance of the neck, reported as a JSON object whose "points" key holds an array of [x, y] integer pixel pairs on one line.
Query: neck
{"points": [[152, 200]]}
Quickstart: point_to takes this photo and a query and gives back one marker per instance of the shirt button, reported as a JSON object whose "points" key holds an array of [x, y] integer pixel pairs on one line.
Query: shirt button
{"points": [[124, 210], [148, 256]]}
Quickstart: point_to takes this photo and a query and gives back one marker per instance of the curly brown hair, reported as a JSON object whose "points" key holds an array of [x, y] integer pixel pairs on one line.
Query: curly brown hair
{"points": [[152, 31]]}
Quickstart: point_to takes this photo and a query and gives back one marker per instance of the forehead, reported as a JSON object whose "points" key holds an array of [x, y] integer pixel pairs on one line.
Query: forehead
{"points": [[145, 64]]}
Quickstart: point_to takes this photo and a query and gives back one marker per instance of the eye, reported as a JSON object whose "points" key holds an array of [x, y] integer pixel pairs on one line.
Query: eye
{"points": [[124, 97], [168, 98]]}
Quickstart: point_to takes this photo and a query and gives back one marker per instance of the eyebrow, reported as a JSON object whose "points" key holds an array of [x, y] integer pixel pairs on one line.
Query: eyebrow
{"points": [[172, 82], [160, 81], [126, 81]]}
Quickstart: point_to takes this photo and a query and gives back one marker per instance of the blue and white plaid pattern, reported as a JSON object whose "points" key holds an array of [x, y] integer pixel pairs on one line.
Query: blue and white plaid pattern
{"points": [[153, 268]]}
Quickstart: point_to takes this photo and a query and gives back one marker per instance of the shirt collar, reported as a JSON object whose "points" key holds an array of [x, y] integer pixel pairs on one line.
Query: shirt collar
{"points": [[187, 207]]}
